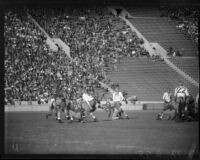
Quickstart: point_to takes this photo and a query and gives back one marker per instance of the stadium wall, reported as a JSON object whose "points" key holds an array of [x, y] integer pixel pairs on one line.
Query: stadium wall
{"points": [[24, 107]]}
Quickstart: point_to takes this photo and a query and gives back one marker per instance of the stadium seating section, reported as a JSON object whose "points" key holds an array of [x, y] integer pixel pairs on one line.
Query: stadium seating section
{"points": [[164, 32], [147, 78], [102, 47], [188, 65]]}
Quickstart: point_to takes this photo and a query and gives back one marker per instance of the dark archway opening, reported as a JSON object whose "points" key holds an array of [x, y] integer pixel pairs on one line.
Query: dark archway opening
{"points": [[118, 11]]}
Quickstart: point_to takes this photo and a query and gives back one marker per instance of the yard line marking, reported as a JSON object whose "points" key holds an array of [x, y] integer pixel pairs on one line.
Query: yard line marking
{"points": [[142, 149], [125, 146], [80, 142], [138, 149], [72, 141]]}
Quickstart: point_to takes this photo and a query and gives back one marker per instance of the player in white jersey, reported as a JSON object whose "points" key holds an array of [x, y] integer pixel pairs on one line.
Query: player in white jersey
{"points": [[167, 105], [117, 98], [52, 101], [197, 105], [197, 102], [180, 94], [51, 107], [89, 99]]}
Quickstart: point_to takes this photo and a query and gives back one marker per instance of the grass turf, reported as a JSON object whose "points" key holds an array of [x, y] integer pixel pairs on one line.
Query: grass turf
{"points": [[32, 133]]}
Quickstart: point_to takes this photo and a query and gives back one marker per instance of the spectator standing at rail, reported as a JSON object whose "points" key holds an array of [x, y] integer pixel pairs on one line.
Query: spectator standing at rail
{"points": [[180, 94]]}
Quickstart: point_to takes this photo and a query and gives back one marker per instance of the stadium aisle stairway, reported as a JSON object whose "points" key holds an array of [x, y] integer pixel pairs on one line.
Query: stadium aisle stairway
{"points": [[143, 11], [52, 41], [188, 65], [158, 29], [148, 79]]}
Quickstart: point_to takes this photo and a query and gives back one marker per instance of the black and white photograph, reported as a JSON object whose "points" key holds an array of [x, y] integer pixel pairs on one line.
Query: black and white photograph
{"points": [[105, 78]]}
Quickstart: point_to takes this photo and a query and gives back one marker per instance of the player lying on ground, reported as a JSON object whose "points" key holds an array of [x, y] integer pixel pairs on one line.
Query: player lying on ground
{"points": [[169, 111], [74, 111], [88, 103], [81, 111], [115, 110]]}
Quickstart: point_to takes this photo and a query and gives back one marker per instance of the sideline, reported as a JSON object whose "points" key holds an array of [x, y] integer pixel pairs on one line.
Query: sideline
{"points": [[139, 106]]}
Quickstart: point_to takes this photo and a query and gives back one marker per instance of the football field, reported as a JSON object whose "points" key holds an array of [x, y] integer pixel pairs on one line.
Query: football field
{"points": [[32, 133]]}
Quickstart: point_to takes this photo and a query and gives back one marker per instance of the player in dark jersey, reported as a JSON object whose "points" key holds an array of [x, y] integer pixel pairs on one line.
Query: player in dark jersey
{"points": [[180, 94]]}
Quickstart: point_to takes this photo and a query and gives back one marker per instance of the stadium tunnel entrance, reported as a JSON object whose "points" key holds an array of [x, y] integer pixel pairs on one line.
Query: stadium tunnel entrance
{"points": [[120, 11]]}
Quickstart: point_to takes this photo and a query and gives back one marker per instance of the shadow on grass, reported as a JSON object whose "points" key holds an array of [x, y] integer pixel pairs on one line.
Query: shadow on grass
{"points": [[121, 119], [104, 120]]}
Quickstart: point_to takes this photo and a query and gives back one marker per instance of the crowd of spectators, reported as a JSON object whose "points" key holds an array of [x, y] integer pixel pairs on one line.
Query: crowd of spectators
{"points": [[96, 40], [90, 31], [25, 54], [186, 18]]}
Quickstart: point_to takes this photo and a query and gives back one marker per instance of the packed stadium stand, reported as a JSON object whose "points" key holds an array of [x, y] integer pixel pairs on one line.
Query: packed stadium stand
{"points": [[102, 46], [44, 68]]}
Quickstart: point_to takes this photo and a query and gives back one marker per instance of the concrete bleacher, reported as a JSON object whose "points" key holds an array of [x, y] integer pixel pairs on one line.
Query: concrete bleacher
{"points": [[162, 31], [143, 11], [188, 65], [147, 79]]}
